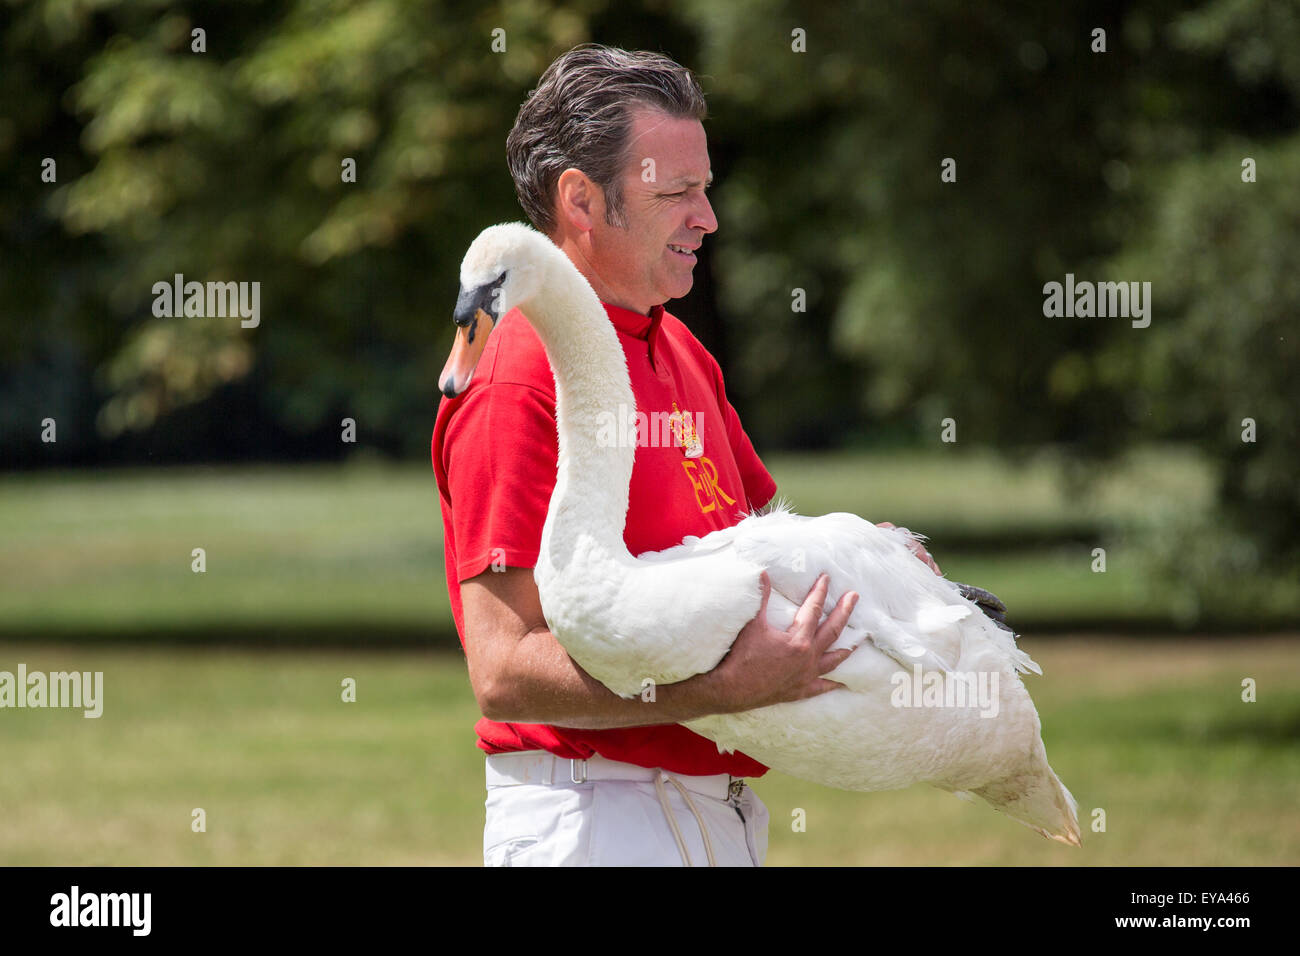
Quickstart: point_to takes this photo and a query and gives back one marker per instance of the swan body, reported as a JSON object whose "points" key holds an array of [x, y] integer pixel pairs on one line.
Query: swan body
{"points": [[919, 646]]}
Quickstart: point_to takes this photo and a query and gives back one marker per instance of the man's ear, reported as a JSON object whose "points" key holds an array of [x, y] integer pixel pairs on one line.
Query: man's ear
{"points": [[578, 199]]}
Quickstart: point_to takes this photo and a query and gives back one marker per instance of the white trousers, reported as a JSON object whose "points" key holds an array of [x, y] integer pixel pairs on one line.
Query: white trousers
{"points": [[542, 812]]}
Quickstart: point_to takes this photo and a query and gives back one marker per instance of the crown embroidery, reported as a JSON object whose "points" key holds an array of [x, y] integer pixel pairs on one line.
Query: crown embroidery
{"points": [[684, 430]]}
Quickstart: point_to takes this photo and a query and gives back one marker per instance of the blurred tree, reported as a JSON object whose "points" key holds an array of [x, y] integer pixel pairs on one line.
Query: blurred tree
{"points": [[925, 298], [1219, 368], [227, 165], [922, 298]]}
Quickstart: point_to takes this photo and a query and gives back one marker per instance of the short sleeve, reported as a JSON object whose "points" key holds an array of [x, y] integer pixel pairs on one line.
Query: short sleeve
{"points": [[500, 454]]}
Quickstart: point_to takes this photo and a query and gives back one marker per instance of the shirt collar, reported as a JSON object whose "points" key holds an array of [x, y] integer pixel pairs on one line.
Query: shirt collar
{"points": [[644, 327], [634, 323]]}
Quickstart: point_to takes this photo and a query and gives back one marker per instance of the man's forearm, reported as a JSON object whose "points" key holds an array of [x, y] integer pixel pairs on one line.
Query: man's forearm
{"points": [[539, 683]]}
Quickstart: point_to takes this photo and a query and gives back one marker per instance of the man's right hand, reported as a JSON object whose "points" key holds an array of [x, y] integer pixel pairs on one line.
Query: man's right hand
{"points": [[769, 666]]}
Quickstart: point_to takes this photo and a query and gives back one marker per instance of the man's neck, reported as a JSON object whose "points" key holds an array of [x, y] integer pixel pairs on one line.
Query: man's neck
{"points": [[603, 292]]}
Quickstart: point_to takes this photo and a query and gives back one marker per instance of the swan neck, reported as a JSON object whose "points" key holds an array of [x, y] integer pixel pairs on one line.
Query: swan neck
{"points": [[593, 394]]}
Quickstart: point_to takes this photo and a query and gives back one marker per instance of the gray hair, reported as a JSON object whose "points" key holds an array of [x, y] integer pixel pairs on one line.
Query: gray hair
{"points": [[580, 115]]}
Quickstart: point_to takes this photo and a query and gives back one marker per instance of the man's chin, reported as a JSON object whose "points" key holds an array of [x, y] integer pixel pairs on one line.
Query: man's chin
{"points": [[679, 290]]}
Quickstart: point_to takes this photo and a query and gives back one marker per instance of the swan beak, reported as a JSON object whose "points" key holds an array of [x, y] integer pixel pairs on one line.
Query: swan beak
{"points": [[476, 313], [465, 353]]}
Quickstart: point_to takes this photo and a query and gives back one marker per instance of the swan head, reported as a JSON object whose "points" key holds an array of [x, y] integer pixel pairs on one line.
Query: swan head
{"points": [[504, 268]]}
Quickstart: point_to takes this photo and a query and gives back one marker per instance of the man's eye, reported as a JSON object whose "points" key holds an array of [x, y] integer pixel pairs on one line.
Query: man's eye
{"points": [[675, 195]]}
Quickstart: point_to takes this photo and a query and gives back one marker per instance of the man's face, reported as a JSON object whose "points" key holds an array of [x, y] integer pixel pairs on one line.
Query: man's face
{"points": [[664, 209]]}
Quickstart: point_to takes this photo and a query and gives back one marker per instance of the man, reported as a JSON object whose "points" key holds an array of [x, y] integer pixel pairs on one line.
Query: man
{"points": [[610, 160]]}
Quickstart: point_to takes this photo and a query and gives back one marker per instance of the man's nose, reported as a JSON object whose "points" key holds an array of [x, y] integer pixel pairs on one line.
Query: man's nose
{"points": [[702, 216]]}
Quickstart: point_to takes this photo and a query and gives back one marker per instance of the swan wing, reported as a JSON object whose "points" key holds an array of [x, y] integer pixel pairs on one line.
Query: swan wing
{"points": [[905, 611], [911, 614]]}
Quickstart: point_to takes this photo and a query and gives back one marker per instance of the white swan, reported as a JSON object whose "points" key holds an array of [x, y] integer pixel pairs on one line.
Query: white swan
{"points": [[665, 616]]}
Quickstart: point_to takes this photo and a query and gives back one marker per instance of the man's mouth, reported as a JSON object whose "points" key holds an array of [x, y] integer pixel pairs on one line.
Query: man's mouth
{"points": [[686, 252]]}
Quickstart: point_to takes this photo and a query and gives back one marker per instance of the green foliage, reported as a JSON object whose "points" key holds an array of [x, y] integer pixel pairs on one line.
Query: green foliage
{"points": [[227, 165], [923, 298], [926, 293], [1218, 369]]}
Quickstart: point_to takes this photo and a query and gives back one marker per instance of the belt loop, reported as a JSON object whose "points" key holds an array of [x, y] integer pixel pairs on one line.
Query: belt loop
{"points": [[550, 770], [576, 767]]}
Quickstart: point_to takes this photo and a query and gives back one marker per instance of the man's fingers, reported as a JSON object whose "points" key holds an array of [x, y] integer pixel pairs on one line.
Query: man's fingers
{"points": [[822, 685], [810, 612], [918, 549], [829, 632], [833, 659], [765, 583], [915, 547]]}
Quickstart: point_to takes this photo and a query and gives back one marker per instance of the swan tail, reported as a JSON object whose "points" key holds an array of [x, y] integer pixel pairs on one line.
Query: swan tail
{"points": [[1039, 801], [1016, 657], [1023, 663], [1005, 640], [995, 612]]}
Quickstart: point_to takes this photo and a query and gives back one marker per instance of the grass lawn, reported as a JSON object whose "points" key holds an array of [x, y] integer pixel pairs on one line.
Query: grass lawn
{"points": [[330, 554], [1151, 731], [95, 574]]}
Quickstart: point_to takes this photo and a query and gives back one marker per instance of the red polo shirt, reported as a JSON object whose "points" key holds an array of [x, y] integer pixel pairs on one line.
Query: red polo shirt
{"points": [[494, 453]]}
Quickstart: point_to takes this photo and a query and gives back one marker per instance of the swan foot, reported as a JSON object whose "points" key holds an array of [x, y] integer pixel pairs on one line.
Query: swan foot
{"points": [[988, 602]]}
